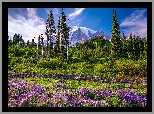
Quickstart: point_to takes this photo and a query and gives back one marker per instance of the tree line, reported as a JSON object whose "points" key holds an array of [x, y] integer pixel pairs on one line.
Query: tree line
{"points": [[120, 47]]}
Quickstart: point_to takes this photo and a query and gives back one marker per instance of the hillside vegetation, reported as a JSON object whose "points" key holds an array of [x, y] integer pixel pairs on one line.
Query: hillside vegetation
{"points": [[88, 58]]}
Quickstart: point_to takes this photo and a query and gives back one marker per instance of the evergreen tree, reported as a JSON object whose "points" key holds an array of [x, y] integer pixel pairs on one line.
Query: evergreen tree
{"points": [[65, 34], [124, 36], [20, 39], [57, 43], [137, 47], [141, 47], [116, 42], [32, 40], [47, 34], [130, 45], [133, 44], [60, 39], [50, 31], [145, 46], [28, 43], [22, 42], [9, 41], [134, 47], [15, 39], [125, 46]]}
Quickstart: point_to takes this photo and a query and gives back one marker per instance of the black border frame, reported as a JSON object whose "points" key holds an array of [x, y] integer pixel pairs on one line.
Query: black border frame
{"points": [[6, 5]]}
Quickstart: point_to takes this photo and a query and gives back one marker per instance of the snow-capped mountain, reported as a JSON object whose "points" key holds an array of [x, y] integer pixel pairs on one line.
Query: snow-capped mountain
{"points": [[80, 34]]}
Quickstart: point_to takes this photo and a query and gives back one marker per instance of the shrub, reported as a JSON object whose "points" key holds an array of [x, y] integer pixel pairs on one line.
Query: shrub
{"points": [[49, 63]]}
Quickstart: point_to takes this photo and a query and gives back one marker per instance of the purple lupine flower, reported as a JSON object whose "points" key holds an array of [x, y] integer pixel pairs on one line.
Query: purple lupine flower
{"points": [[82, 90]]}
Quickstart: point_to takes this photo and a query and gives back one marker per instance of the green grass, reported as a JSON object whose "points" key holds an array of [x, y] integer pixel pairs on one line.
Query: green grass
{"points": [[103, 67], [75, 84]]}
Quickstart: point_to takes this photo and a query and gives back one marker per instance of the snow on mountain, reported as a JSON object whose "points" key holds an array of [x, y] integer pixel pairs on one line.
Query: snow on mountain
{"points": [[80, 34], [82, 30], [87, 31], [91, 31]]}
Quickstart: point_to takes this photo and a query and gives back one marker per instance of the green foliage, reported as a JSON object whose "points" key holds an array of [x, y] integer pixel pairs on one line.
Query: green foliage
{"points": [[65, 34], [95, 56], [49, 63], [92, 64], [50, 30], [17, 39], [117, 43]]}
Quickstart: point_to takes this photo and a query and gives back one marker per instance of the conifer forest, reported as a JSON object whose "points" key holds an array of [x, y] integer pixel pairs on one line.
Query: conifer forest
{"points": [[96, 73]]}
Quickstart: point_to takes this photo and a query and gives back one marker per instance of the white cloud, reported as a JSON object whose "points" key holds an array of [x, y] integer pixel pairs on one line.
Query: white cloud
{"points": [[25, 21], [74, 19], [76, 12], [136, 22], [29, 27]]}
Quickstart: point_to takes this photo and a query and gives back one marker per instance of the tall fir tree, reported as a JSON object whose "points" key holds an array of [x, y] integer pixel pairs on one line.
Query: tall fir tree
{"points": [[50, 31], [58, 38], [65, 33], [116, 42], [47, 34]]}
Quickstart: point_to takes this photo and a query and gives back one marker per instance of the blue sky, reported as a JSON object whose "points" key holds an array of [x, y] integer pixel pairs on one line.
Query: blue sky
{"points": [[30, 22]]}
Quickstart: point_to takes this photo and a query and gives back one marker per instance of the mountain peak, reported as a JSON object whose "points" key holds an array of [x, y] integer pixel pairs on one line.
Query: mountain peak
{"points": [[80, 34]]}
